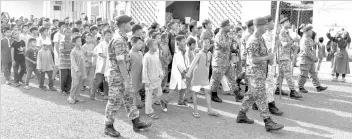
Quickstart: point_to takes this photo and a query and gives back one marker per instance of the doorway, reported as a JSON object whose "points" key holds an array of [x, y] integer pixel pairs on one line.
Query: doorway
{"points": [[179, 10]]}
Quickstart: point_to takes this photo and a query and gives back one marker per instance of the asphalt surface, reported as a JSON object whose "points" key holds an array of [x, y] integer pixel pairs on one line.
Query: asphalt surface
{"points": [[47, 115]]}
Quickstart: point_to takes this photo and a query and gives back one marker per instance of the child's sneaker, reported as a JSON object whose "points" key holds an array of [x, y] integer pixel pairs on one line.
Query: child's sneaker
{"points": [[182, 104], [27, 87], [163, 105], [70, 100], [17, 84], [157, 103], [153, 115], [21, 82], [8, 82]]}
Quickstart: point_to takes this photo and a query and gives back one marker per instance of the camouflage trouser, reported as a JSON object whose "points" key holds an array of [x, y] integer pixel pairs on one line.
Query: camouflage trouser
{"points": [[218, 73], [270, 84], [305, 70], [256, 94], [119, 93], [285, 69]]}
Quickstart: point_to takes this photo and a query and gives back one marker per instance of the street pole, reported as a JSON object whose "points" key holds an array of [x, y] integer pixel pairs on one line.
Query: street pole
{"points": [[275, 49]]}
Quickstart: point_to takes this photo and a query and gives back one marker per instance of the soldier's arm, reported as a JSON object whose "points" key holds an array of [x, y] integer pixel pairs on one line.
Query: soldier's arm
{"points": [[221, 41], [285, 39], [118, 47], [331, 38], [307, 50], [253, 52]]}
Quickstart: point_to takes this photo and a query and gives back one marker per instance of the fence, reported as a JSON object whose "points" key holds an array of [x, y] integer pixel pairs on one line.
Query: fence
{"points": [[297, 13]]}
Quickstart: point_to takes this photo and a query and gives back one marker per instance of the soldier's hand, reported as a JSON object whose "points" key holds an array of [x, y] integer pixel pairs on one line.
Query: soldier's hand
{"points": [[271, 56]]}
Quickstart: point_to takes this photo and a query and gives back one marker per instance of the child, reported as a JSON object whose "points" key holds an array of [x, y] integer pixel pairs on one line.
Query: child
{"points": [[136, 66], [102, 51], [25, 35], [189, 56], [6, 58], [90, 67], [152, 77], [45, 65], [66, 47], [321, 52], [78, 71], [44, 39], [178, 71], [31, 61], [198, 76], [17, 52], [34, 32], [165, 59]]}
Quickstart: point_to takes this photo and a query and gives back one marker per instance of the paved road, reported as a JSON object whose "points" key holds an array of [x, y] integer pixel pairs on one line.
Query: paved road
{"points": [[36, 114]]}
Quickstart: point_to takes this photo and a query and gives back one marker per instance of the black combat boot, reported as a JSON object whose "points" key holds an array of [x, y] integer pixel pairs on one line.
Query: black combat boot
{"points": [[242, 118], [303, 90], [270, 125], [142, 94], [215, 98], [277, 92], [320, 88], [238, 96], [294, 94], [246, 88], [110, 131], [274, 110], [254, 106], [139, 125]]}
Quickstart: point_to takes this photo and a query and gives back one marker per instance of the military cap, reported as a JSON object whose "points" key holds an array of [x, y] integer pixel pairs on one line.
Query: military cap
{"points": [[260, 21], [78, 22], [269, 18], [123, 19], [283, 20], [249, 23], [136, 27], [225, 23], [307, 28]]}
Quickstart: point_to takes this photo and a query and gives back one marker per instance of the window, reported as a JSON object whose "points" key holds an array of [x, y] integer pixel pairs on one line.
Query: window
{"points": [[57, 8]]}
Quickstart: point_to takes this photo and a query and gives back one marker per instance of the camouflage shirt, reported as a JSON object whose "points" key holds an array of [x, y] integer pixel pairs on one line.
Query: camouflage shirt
{"points": [[307, 53], [243, 46], [256, 48], [285, 51], [222, 53], [118, 49]]}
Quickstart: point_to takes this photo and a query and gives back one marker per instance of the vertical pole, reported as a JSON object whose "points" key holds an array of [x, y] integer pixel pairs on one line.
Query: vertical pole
{"points": [[275, 49]]}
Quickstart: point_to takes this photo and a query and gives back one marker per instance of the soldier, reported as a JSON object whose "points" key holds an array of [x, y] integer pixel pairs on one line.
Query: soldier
{"points": [[221, 63], [119, 81], [257, 60], [307, 59], [243, 50], [270, 81], [284, 60]]}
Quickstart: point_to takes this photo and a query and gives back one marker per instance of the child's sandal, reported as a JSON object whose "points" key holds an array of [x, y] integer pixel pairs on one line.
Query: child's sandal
{"points": [[153, 115], [27, 87], [214, 114], [197, 115]]}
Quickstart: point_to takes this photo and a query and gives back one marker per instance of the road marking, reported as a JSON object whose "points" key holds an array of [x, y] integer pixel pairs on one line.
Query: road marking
{"points": [[338, 113], [338, 100]]}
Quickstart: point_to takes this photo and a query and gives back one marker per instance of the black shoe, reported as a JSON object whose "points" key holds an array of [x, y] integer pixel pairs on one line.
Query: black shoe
{"points": [[254, 106], [215, 98], [142, 94], [320, 88], [246, 88], [277, 92], [140, 106], [238, 96], [274, 110], [189, 100], [303, 90], [110, 131], [294, 94], [138, 125], [270, 125], [242, 118], [163, 105]]}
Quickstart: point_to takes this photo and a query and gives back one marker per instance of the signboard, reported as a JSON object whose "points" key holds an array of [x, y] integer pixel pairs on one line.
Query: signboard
{"points": [[58, 2]]}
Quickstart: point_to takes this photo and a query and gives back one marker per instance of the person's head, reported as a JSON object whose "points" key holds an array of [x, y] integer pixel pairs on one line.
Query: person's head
{"points": [[191, 43], [6, 31], [260, 24], [172, 25], [77, 41], [78, 24], [207, 24], [181, 42], [14, 27], [308, 30], [25, 29], [162, 29], [216, 31], [89, 37], [137, 30], [124, 23], [55, 22], [225, 25], [249, 26], [152, 45], [47, 24], [238, 31], [32, 42], [43, 31], [193, 28], [164, 38], [30, 25], [67, 32], [206, 43], [155, 26], [151, 32], [16, 34], [107, 34], [137, 42], [285, 22], [75, 32], [62, 26], [94, 30], [34, 30], [271, 23], [321, 39], [157, 37]]}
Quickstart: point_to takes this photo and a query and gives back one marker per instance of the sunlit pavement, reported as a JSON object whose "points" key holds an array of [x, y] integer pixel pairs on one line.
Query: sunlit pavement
{"points": [[38, 114]]}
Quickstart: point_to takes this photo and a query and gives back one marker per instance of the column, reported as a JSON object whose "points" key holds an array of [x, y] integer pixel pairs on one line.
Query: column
{"points": [[89, 10], [204, 10], [161, 13]]}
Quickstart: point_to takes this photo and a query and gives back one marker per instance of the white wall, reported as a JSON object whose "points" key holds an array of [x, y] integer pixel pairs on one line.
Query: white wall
{"points": [[254, 9], [22, 8]]}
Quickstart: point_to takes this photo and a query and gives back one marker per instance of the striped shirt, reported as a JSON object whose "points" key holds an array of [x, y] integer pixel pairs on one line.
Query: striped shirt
{"points": [[65, 49]]}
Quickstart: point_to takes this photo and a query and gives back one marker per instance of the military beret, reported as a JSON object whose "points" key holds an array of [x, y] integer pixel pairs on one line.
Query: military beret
{"points": [[260, 21], [237, 29], [249, 23], [123, 19], [283, 20], [136, 27], [225, 23], [78, 22], [307, 28], [269, 18], [61, 23]]}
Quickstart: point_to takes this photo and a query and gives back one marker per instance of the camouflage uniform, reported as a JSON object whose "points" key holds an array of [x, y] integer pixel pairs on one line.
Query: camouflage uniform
{"points": [[119, 88], [270, 83], [256, 74], [243, 53], [221, 63], [307, 59], [285, 66]]}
